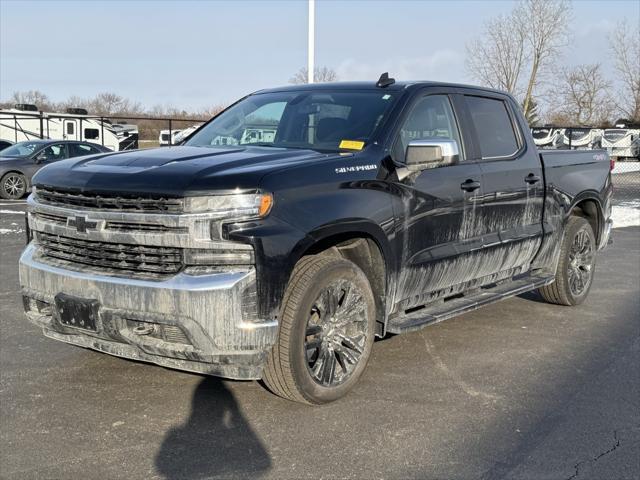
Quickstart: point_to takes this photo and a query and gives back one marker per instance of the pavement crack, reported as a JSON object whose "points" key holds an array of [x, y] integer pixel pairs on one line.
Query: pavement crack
{"points": [[597, 457]]}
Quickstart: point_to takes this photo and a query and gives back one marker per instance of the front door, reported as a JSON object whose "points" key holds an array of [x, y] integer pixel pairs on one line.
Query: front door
{"points": [[70, 129], [439, 209], [512, 184]]}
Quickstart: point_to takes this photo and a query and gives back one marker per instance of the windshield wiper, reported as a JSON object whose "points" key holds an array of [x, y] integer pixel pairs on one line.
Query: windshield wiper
{"points": [[291, 147], [260, 144]]}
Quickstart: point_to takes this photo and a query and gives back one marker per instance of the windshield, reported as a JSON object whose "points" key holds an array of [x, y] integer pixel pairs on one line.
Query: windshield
{"points": [[22, 149], [320, 120]]}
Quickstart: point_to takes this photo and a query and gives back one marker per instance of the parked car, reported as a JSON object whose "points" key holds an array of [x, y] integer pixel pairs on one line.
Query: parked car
{"points": [[4, 144], [19, 162], [378, 207]]}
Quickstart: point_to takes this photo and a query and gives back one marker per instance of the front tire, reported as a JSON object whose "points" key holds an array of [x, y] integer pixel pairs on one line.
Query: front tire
{"points": [[13, 186], [326, 332], [576, 266]]}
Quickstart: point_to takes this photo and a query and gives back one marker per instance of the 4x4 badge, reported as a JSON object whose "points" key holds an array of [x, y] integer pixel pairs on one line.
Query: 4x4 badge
{"points": [[81, 224]]}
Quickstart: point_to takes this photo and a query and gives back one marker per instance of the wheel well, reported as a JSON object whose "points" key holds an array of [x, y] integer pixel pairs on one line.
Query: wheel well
{"points": [[589, 210], [14, 171], [367, 255]]}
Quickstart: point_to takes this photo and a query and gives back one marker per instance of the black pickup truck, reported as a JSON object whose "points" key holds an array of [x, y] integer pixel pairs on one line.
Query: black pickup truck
{"points": [[302, 222]]}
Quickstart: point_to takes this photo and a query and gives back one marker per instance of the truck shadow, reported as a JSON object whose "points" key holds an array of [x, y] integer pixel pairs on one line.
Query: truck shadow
{"points": [[216, 441], [533, 296]]}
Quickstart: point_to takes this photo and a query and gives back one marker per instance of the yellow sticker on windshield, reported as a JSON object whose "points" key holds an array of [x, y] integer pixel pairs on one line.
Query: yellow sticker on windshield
{"points": [[352, 144]]}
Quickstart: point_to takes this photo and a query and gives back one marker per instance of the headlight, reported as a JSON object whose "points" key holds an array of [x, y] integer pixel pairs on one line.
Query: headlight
{"points": [[236, 206]]}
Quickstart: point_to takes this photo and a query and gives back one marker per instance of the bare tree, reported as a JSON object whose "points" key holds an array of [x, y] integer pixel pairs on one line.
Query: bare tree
{"points": [[546, 34], [107, 103], [497, 59], [533, 115], [521, 44], [73, 102], [209, 112], [584, 97], [320, 75], [34, 97], [625, 43]]}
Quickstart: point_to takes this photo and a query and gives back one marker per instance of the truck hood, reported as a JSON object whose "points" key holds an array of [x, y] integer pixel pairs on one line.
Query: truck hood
{"points": [[172, 171]]}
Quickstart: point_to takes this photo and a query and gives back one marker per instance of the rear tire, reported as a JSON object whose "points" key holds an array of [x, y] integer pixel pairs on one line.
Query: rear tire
{"points": [[326, 332], [576, 266], [13, 186]]}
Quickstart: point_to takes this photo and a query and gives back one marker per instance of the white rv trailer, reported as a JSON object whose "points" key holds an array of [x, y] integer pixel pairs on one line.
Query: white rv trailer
{"points": [[622, 142], [26, 122], [185, 133], [547, 137], [581, 138], [165, 135], [127, 134]]}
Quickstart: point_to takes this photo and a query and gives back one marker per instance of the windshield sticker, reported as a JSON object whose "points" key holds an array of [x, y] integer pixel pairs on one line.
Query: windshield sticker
{"points": [[351, 144], [356, 168]]}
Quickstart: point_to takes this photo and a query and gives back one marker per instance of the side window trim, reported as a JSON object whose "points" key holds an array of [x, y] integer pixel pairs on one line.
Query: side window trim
{"points": [[512, 120], [408, 109]]}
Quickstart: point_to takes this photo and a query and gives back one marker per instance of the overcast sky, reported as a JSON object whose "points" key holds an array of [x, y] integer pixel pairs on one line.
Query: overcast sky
{"points": [[197, 54]]}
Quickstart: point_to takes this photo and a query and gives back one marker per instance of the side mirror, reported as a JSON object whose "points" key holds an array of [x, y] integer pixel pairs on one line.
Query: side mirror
{"points": [[431, 153], [41, 157]]}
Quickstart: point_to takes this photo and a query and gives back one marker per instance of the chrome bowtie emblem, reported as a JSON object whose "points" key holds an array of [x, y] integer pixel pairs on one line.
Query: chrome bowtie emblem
{"points": [[81, 224]]}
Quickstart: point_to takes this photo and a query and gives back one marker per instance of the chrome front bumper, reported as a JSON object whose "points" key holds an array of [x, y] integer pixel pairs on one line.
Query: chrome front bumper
{"points": [[187, 322]]}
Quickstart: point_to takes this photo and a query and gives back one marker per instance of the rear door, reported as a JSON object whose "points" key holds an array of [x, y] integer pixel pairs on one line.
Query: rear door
{"points": [[440, 235], [512, 185]]}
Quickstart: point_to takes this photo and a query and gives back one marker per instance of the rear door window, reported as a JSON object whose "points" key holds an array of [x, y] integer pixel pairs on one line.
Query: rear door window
{"points": [[80, 149], [493, 126]]}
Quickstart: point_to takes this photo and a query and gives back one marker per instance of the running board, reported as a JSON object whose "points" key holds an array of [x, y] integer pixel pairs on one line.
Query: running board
{"points": [[458, 305]]}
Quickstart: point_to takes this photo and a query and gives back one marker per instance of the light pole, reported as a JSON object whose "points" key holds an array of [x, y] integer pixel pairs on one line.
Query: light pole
{"points": [[311, 41]]}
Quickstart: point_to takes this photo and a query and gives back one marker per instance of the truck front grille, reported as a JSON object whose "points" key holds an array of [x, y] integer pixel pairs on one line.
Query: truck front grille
{"points": [[109, 202], [126, 259]]}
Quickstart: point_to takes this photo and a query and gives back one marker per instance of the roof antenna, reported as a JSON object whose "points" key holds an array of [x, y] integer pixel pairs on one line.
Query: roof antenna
{"points": [[385, 81]]}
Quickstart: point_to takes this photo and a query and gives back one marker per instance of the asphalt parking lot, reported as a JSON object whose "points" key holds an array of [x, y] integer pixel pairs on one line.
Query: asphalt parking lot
{"points": [[519, 390]]}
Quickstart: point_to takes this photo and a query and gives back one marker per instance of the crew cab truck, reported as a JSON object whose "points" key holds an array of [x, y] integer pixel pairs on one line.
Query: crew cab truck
{"points": [[377, 207]]}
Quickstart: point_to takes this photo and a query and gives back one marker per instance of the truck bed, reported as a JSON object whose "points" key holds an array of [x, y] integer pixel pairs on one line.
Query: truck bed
{"points": [[576, 171]]}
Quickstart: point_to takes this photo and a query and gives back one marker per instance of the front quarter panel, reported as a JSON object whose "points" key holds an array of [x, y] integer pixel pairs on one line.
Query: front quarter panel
{"points": [[333, 197], [19, 165]]}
